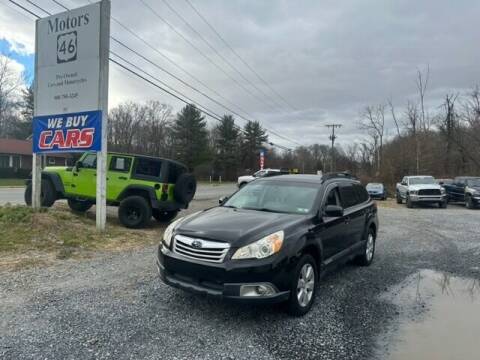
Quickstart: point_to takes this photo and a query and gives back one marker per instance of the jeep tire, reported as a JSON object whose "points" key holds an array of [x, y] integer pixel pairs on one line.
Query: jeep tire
{"points": [[185, 188], [47, 196], [78, 205], [134, 212], [304, 273], [163, 215]]}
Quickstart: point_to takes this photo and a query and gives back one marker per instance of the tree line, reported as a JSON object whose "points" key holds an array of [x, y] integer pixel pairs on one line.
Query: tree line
{"points": [[443, 142]]}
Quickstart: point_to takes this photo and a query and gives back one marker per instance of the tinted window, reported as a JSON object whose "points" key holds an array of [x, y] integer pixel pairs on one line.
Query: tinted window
{"points": [[120, 163], [148, 168], [362, 194], [348, 196], [89, 161], [333, 198]]}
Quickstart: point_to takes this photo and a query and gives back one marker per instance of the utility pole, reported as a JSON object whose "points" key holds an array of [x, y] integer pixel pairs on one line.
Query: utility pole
{"points": [[332, 138]]}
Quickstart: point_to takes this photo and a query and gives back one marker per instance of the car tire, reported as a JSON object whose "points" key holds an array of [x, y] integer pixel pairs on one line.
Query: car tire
{"points": [[409, 202], [469, 203], [164, 216], [442, 204], [399, 198], [79, 206], [366, 258], [47, 196], [304, 285], [185, 188], [134, 212], [242, 185]]}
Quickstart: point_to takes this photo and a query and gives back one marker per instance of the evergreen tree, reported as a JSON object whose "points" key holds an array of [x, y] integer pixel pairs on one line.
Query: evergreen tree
{"points": [[23, 124], [227, 146], [253, 138], [190, 137]]}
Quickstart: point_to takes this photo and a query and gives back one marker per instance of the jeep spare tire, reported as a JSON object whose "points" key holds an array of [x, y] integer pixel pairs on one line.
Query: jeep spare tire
{"points": [[185, 188]]}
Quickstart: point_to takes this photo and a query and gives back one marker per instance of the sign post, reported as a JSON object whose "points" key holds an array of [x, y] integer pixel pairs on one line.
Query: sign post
{"points": [[262, 159], [71, 91]]}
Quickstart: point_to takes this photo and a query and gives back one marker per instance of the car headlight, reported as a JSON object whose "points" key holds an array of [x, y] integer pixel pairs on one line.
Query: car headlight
{"points": [[442, 190], [413, 192], [262, 248], [168, 234], [473, 191]]}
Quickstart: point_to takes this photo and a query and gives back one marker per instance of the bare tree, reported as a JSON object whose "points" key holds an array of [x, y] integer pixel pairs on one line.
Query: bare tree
{"points": [[373, 120], [10, 86], [422, 84], [412, 124]]}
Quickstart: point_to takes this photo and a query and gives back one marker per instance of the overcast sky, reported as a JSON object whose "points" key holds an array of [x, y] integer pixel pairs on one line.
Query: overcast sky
{"points": [[327, 58]]}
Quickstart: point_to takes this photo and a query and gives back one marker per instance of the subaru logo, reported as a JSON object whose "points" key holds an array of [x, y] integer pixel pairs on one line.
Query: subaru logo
{"points": [[197, 244]]}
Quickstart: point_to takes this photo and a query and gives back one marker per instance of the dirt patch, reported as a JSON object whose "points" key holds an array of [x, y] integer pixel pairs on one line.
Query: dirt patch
{"points": [[31, 238]]}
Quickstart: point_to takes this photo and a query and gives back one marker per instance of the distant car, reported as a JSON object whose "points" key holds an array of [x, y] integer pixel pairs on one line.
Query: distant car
{"points": [[244, 180], [272, 240], [377, 191], [465, 189], [420, 190]]}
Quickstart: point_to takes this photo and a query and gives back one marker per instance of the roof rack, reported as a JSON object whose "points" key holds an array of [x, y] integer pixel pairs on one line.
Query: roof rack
{"points": [[341, 175]]}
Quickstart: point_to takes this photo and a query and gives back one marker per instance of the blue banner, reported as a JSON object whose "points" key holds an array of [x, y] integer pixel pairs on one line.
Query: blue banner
{"points": [[67, 132]]}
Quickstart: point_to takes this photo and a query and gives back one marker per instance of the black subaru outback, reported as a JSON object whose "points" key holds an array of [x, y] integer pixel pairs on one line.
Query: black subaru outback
{"points": [[271, 240]]}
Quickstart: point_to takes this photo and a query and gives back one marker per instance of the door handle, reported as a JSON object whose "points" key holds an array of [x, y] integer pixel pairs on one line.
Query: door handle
{"points": [[122, 178], [347, 219], [75, 174]]}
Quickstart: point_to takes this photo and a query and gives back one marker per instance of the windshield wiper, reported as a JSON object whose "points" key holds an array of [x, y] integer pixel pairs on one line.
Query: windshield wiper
{"points": [[230, 206], [266, 210]]}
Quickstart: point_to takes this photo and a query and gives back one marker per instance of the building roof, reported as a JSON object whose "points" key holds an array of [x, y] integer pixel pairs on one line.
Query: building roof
{"points": [[22, 147]]}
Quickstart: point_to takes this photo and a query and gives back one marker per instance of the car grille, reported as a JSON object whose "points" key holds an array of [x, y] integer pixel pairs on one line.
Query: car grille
{"points": [[199, 249], [429, 192]]}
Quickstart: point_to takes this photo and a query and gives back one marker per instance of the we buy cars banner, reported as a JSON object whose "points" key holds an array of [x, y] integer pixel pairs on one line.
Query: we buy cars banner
{"points": [[67, 132]]}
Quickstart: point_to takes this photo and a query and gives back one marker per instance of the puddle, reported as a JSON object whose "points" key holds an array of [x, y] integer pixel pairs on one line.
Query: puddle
{"points": [[440, 318]]}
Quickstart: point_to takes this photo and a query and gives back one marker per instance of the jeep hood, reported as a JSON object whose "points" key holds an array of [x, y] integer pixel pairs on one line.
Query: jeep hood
{"points": [[424, 187], [236, 226]]}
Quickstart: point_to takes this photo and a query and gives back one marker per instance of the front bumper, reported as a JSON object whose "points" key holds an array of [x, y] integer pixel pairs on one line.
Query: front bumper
{"points": [[476, 200], [377, 195], [428, 198], [225, 280]]}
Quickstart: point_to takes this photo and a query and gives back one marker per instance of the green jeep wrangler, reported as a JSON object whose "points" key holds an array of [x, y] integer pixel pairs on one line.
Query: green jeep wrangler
{"points": [[140, 186]]}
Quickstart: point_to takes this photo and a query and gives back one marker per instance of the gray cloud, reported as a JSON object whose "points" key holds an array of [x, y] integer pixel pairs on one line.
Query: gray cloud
{"points": [[328, 58]]}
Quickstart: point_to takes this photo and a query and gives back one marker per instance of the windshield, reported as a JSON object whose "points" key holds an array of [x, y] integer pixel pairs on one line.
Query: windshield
{"points": [[473, 182], [276, 197], [421, 180], [374, 186]]}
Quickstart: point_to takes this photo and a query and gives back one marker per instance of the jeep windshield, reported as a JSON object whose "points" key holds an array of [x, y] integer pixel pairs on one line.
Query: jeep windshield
{"points": [[428, 180], [281, 197]]}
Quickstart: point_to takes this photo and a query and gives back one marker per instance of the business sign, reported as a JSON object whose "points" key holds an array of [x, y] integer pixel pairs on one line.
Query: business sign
{"points": [[68, 61], [67, 132]]}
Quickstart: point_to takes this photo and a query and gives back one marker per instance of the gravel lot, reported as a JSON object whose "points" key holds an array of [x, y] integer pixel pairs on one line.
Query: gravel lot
{"points": [[114, 307]]}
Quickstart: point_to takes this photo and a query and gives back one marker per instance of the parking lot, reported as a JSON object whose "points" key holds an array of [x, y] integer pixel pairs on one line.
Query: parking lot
{"points": [[114, 306]]}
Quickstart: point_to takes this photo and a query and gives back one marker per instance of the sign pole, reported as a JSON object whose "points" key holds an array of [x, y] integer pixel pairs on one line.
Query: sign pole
{"points": [[101, 204], [36, 159]]}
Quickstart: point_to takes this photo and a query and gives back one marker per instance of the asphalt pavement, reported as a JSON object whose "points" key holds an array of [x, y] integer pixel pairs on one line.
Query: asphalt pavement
{"points": [[14, 195], [114, 306]]}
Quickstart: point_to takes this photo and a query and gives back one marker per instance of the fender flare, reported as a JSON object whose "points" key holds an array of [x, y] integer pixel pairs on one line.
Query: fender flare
{"points": [[132, 188], [54, 178]]}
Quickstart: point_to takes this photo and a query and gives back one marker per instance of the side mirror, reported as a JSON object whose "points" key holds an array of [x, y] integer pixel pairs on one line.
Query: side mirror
{"points": [[222, 200], [333, 211]]}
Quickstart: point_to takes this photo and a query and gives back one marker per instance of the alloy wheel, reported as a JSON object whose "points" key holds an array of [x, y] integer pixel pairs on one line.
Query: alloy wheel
{"points": [[370, 247], [305, 285]]}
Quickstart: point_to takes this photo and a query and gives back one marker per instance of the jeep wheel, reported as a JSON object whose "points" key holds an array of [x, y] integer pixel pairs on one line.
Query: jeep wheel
{"points": [[134, 212], [79, 205], [409, 202], [366, 258], [304, 283], [399, 198], [164, 216], [47, 195], [469, 203]]}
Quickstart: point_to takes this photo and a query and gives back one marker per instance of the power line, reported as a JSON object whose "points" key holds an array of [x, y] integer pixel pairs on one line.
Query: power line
{"points": [[180, 80], [226, 61], [205, 110], [237, 55], [174, 29]]}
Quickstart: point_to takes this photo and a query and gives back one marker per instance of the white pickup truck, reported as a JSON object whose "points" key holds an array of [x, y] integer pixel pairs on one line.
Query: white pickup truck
{"points": [[244, 180], [420, 189]]}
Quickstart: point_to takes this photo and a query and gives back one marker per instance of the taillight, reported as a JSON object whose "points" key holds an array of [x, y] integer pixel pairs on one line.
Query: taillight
{"points": [[165, 188]]}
